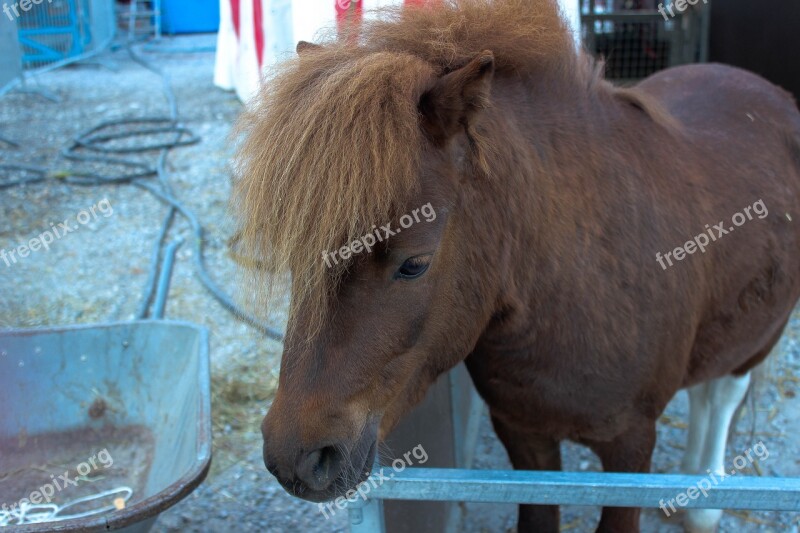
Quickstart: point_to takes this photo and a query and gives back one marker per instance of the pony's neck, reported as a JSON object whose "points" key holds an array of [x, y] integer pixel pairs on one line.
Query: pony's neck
{"points": [[550, 176], [546, 158]]}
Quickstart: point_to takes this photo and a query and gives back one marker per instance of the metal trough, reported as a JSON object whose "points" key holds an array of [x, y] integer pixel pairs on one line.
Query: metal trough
{"points": [[133, 397]]}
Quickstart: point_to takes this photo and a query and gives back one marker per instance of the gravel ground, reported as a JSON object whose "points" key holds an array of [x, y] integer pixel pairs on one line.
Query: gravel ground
{"points": [[97, 274]]}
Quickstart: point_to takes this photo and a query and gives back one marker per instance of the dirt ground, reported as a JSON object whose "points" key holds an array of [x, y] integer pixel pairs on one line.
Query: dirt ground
{"points": [[98, 272]]}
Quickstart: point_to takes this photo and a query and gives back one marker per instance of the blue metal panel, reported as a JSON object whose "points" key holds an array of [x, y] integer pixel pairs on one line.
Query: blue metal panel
{"points": [[54, 31]]}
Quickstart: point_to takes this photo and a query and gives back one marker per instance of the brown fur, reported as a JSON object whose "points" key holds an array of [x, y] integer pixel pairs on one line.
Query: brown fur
{"points": [[293, 204], [554, 192], [354, 141]]}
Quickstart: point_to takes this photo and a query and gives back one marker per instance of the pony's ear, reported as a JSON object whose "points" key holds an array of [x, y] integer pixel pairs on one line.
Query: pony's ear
{"points": [[305, 46], [456, 98]]}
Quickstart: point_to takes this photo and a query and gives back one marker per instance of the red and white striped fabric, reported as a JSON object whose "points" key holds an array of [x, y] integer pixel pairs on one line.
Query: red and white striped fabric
{"points": [[353, 10], [253, 33], [240, 46]]}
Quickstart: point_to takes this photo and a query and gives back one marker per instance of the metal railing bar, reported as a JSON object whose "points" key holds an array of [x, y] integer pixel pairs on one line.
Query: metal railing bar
{"points": [[736, 491]]}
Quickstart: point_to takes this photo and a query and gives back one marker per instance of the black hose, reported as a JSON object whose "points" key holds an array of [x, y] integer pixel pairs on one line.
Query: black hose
{"points": [[96, 141], [9, 142], [150, 286]]}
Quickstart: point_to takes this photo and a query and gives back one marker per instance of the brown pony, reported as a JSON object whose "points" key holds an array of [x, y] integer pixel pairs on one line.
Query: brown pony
{"points": [[557, 263]]}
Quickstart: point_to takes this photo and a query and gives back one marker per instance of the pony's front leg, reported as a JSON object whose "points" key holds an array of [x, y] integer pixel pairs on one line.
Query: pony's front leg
{"points": [[529, 451], [629, 452]]}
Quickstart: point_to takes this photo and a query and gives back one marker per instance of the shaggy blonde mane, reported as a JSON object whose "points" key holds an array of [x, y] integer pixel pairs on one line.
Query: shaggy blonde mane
{"points": [[331, 143]]}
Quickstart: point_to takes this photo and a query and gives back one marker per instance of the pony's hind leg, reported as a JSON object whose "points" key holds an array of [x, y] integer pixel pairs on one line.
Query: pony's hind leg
{"points": [[712, 406], [699, 417]]}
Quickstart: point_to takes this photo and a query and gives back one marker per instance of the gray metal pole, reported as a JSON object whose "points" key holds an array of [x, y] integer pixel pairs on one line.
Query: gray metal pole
{"points": [[366, 516]]}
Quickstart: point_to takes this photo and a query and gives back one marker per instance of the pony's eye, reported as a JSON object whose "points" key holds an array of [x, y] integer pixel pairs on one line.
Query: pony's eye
{"points": [[413, 267]]}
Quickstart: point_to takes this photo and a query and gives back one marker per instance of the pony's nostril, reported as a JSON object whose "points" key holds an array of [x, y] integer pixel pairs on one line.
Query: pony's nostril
{"points": [[318, 469]]}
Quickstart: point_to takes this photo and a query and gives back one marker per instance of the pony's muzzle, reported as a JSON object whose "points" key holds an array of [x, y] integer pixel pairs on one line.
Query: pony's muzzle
{"points": [[323, 471]]}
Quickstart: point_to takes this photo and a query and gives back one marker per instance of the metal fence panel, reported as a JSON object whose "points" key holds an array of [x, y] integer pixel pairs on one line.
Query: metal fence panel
{"points": [[10, 55], [56, 32], [53, 31], [638, 43]]}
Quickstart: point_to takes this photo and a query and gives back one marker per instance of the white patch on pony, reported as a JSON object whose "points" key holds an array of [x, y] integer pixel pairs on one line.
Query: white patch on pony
{"points": [[711, 409]]}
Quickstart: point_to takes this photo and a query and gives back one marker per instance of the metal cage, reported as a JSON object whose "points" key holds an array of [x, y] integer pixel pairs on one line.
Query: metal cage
{"points": [[637, 38], [57, 31]]}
